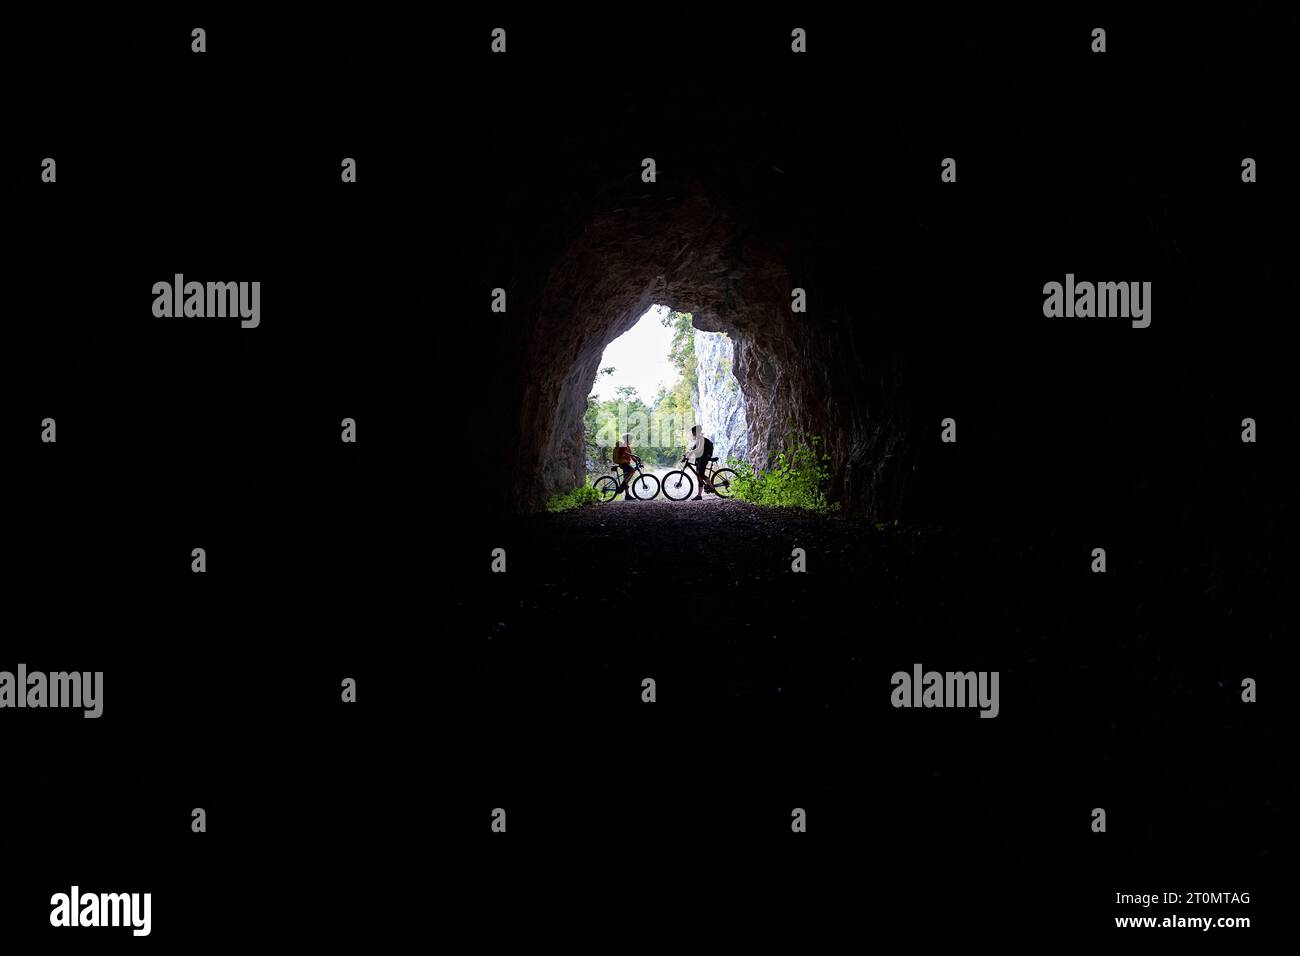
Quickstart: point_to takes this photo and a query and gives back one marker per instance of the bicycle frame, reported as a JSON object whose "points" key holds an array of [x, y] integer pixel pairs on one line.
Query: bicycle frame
{"points": [[710, 469], [624, 483]]}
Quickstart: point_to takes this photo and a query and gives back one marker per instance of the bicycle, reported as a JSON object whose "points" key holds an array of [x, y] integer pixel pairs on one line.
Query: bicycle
{"points": [[679, 485], [608, 488]]}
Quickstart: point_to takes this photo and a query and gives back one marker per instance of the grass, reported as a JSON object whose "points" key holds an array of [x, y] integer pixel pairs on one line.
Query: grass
{"points": [[577, 498]]}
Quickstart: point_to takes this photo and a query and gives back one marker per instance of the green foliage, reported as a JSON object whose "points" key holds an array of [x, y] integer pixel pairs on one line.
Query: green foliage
{"points": [[676, 405], [798, 478], [606, 422], [585, 495], [682, 351]]}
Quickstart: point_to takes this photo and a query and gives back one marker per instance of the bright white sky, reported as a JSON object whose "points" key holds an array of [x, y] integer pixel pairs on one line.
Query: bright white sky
{"points": [[640, 357]]}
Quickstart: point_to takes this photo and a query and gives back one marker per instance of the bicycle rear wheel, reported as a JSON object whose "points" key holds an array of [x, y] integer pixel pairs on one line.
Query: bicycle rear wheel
{"points": [[645, 487], [724, 482], [678, 486], [606, 487]]}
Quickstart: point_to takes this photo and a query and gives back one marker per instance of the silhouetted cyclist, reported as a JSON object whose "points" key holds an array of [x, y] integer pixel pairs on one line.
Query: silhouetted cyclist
{"points": [[623, 457], [701, 451]]}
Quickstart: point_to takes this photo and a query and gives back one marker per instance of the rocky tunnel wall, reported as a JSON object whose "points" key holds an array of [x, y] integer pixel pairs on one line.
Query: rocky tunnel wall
{"points": [[696, 252]]}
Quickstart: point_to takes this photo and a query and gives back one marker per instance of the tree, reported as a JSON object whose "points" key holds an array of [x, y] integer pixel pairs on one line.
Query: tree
{"points": [[675, 407], [659, 429]]}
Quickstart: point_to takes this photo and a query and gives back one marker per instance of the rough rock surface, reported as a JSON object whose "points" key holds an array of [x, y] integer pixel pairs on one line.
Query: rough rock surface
{"points": [[693, 252]]}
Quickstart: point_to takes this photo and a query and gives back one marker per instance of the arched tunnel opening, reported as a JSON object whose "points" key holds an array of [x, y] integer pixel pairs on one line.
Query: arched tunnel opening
{"points": [[798, 367]]}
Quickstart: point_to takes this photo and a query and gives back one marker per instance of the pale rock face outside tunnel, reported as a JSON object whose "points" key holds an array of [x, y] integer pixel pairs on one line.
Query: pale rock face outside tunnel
{"points": [[720, 405]]}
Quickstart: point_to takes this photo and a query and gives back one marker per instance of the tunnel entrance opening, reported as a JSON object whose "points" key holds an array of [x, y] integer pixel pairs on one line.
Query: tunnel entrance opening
{"points": [[657, 380], [707, 253]]}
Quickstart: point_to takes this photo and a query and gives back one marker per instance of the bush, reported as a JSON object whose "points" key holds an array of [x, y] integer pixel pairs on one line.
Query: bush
{"points": [[797, 480], [584, 495]]}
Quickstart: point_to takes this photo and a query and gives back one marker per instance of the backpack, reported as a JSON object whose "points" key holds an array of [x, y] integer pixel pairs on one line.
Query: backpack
{"points": [[707, 452]]}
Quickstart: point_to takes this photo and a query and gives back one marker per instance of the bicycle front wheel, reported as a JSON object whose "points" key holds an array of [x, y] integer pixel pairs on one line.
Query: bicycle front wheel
{"points": [[606, 487], [678, 486], [724, 482], [645, 487]]}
